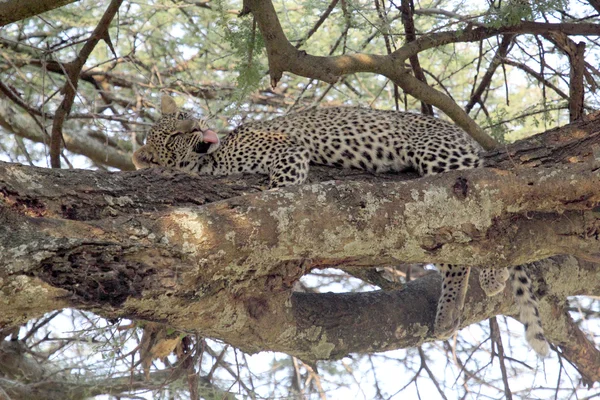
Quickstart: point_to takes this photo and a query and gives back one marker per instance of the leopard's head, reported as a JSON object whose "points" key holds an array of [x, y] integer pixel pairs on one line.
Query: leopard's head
{"points": [[178, 137]]}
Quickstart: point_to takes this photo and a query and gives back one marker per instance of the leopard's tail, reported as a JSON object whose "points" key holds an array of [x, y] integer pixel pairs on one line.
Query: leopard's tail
{"points": [[529, 314]]}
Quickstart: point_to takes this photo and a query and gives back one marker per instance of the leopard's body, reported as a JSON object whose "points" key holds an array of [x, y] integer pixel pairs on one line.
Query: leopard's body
{"points": [[373, 140]]}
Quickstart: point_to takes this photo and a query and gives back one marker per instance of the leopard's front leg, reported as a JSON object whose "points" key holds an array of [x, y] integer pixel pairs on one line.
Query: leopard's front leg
{"points": [[452, 299], [289, 167]]}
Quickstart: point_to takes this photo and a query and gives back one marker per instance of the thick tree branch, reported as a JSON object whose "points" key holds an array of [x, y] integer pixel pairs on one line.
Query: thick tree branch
{"points": [[573, 143], [467, 215], [154, 256], [130, 245], [15, 10], [310, 326]]}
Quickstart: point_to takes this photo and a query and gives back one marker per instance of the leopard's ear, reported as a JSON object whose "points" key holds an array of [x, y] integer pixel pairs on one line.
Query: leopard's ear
{"points": [[145, 157], [168, 105]]}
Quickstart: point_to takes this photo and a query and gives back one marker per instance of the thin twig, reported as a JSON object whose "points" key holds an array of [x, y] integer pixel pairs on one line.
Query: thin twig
{"points": [[318, 24], [431, 375], [496, 338]]}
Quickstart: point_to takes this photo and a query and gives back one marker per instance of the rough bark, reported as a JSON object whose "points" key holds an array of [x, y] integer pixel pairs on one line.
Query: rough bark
{"points": [[576, 88], [213, 256], [574, 143], [483, 217]]}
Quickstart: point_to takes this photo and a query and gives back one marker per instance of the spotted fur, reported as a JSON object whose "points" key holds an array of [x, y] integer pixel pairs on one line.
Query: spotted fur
{"points": [[373, 140], [492, 280], [529, 313]]}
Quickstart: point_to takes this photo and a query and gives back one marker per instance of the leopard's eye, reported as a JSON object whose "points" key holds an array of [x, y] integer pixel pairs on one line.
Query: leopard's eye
{"points": [[182, 115]]}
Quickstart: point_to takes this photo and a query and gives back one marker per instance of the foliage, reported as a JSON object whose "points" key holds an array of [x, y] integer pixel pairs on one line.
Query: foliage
{"points": [[508, 13]]}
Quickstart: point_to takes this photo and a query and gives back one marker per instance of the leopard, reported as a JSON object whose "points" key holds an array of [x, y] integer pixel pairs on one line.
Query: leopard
{"points": [[377, 141]]}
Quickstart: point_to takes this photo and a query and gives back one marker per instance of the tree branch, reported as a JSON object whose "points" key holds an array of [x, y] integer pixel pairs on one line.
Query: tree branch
{"points": [[539, 77], [159, 245], [318, 24], [73, 71], [576, 89], [23, 126], [15, 10], [501, 53], [406, 9], [467, 215], [573, 143], [24, 378], [564, 333]]}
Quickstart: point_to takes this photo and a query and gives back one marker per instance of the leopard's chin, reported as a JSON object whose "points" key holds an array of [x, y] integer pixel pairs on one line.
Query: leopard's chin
{"points": [[203, 147]]}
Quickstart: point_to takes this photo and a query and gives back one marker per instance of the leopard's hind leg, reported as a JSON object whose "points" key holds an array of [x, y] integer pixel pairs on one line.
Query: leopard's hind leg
{"points": [[452, 299]]}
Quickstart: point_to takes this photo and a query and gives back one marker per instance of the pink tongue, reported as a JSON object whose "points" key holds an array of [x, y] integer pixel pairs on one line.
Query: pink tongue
{"points": [[210, 136]]}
